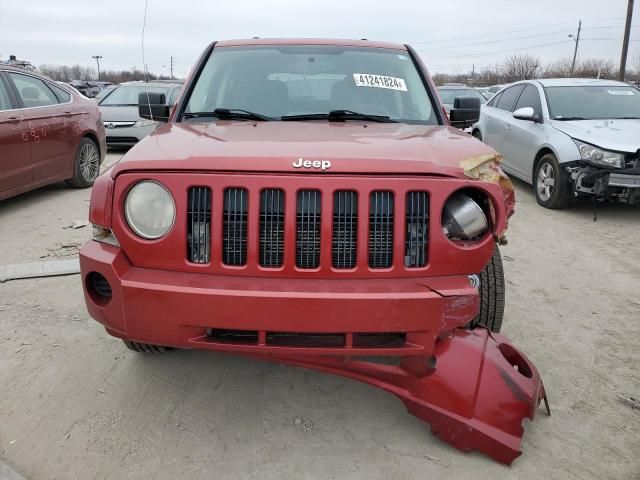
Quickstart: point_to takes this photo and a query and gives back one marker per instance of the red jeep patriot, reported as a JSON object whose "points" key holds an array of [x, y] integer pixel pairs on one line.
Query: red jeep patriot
{"points": [[307, 202]]}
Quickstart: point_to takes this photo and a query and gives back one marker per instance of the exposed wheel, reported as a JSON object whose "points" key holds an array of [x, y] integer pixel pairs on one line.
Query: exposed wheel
{"points": [[477, 134], [551, 183], [86, 165], [491, 290], [144, 347]]}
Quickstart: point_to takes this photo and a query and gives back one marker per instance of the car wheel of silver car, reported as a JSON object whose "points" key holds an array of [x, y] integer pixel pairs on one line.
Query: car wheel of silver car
{"points": [[491, 289], [145, 347], [550, 183], [87, 164], [477, 134]]}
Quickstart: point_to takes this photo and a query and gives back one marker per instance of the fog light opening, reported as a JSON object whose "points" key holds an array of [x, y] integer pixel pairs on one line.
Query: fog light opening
{"points": [[99, 288]]}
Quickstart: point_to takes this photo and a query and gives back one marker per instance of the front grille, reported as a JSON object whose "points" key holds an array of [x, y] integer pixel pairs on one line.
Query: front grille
{"points": [[199, 225], [344, 241], [308, 229], [121, 140], [416, 229], [271, 228], [360, 233], [381, 229], [234, 227]]}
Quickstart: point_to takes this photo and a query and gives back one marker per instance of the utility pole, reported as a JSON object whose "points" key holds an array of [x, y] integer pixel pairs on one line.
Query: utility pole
{"points": [[576, 39], [97, 59], [625, 42], [171, 68]]}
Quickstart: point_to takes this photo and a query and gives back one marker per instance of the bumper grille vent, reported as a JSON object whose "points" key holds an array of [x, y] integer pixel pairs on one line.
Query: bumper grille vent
{"points": [[199, 225], [416, 229], [234, 228], [344, 240], [271, 228], [381, 229], [308, 219]]}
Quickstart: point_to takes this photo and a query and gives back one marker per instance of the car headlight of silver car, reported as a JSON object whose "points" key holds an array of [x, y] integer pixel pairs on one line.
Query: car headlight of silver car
{"points": [[146, 123], [463, 218], [150, 210], [599, 156]]}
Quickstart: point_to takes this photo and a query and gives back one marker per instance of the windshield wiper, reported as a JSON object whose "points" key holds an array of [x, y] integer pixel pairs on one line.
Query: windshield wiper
{"points": [[339, 115], [568, 119], [228, 113], [626, 118]]}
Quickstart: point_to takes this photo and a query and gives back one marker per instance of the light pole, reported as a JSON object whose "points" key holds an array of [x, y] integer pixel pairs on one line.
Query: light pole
{"points": [[576, 38], [97, 59], [625, 42]]}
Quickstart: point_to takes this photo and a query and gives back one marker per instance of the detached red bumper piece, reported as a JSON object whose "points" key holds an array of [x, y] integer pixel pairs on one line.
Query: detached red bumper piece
{"points": [[475, 397]]}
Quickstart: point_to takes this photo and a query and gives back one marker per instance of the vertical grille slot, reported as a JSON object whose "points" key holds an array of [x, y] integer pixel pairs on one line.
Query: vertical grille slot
{"points": [[381, 229], [416, 229], [234, 228], [308, 229], [345, 229], [271, 228], [199, 225]]}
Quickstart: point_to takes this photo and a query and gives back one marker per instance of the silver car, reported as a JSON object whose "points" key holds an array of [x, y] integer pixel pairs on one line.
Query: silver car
{"points": [[119, 110], [567, 137]]}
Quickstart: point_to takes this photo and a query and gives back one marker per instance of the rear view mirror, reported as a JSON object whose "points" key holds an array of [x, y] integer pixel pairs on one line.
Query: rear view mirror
{"points": [[465, 112], [525, 113], [153, 106]]}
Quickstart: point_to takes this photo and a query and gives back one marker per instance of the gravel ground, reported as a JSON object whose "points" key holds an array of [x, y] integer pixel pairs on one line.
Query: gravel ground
{"points": [[74, 403]]}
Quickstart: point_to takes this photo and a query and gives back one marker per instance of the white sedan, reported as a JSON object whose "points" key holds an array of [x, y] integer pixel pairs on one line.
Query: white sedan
{"points": [[567, 137]]}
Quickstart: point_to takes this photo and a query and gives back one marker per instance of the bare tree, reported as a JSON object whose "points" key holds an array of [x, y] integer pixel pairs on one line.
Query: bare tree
{"points": [[520, 66], [596, 68], [559, 69]]}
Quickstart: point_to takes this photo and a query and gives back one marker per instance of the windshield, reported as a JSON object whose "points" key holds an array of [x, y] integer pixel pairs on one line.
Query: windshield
{"points": [[448, 95], [128, 95], [287, 80], [589, 102]]}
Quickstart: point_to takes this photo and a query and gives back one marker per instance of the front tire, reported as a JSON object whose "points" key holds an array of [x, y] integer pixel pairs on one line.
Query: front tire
{"points": [[551, 183], [492, 295], [477, 134], [86, 167]]}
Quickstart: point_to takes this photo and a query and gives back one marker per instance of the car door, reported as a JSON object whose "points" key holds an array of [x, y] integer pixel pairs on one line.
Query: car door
{"points": [[15, 149], [489, 124], [51, 125], [502, 119], [522, 137]]}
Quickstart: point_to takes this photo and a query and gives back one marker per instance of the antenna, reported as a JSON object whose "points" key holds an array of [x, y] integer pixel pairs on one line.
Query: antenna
{"points": [[144, 64]]}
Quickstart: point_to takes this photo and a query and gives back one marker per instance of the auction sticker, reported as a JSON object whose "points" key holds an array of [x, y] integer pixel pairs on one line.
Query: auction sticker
{"points": [[379, 81], [619, 92]]}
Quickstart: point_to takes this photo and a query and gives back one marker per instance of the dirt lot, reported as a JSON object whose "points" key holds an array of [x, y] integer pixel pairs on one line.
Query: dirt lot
{"points": [[74, 403]]}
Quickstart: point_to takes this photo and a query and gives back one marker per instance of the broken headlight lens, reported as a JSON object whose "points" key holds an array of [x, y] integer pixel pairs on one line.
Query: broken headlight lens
{"points": [[605, 158], [150, 210], [463, 218]]}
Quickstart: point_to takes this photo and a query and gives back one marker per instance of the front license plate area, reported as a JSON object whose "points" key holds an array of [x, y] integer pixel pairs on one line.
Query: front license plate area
{"points": [[626, 181]]}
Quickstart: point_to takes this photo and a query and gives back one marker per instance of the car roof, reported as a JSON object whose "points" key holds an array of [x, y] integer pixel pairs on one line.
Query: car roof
{"points": [[455, 87], [310, 41], [578, 82], [151, 84]]}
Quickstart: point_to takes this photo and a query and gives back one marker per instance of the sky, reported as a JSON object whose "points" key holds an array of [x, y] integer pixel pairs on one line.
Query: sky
{"points": [[452, 36]]}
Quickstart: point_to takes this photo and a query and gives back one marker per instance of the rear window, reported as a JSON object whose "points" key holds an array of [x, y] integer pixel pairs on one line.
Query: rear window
{"points": [[309, 79]]}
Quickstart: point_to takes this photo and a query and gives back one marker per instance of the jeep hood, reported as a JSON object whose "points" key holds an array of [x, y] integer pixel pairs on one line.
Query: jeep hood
{"points": [[617, 135], [351, 147]]}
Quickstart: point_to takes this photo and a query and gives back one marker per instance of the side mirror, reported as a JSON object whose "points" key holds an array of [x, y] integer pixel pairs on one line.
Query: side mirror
{"points": [[153, 106], [465, 112], [525, 113]]}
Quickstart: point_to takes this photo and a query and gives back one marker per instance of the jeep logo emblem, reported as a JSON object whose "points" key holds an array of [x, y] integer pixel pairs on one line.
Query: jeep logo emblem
{"points": [[321, 164]]}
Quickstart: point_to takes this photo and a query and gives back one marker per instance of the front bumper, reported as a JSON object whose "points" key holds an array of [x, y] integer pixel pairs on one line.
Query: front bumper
{"points": [[126, 136], [182, 309], [474, 388], [622, 185]]}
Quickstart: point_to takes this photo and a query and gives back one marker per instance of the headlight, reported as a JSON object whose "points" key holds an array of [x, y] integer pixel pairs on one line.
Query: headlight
{"points": [[146, 123], [150, 210], [599, 156], [463, 218]]}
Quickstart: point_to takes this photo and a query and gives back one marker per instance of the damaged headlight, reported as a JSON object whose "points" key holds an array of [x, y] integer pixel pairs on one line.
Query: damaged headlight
{"points": [[596, 155], [463, 218], [150, 210]]}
